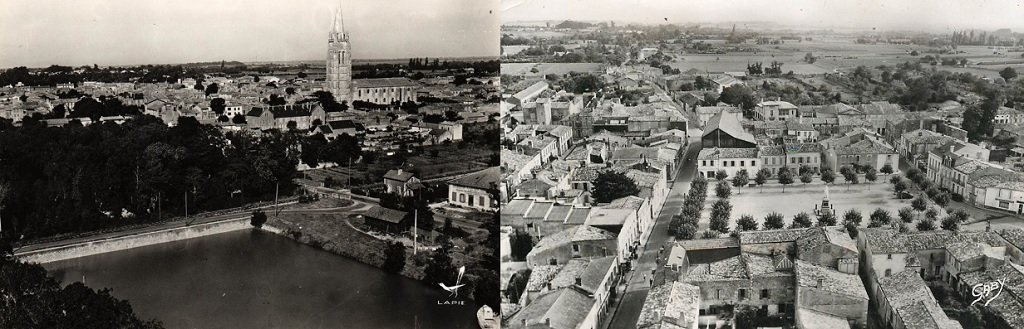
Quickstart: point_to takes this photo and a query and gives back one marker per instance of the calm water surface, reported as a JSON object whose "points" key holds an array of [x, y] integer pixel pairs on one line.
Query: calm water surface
{"points": [[249, 279]]}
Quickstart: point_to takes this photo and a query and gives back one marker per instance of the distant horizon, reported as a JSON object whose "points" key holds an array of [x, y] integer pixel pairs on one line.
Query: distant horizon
{"points": [[354, 60], [780, 26], [932, 16], [136, 32]]}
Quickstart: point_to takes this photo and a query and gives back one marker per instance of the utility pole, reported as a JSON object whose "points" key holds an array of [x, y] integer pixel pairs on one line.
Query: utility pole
{"points": [[277, 207], [186, 207], [415, 229]]}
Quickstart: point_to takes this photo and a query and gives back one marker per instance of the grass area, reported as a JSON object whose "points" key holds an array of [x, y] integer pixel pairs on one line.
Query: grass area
{"points": [[333, 234]]}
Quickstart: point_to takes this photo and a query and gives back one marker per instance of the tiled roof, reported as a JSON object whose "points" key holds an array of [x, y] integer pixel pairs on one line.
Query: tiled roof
{"points": [[578, 215], [626, 202], [383, 82], [540, 276], [727, 153], [809, 318], [398, 175], [484, 179], [385, 214], [1014, 236], [539, 210], [590, 233], [558, 213], [771, 236], [770, 150], [729, 125], [564, 309], [815, 237], [889, 241], [819, 277], [671, 305], [1010, 305], [908, 294]]}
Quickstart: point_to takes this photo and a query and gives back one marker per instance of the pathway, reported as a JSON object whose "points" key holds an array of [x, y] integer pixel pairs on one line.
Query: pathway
{"points": [[631, 302]]}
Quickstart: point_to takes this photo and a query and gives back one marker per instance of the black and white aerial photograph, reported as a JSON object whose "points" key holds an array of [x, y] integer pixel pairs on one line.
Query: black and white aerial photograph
{"points": [[249, 164], [762, 164]]}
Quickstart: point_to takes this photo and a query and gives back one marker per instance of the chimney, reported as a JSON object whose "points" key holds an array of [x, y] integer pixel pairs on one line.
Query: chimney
{"points": [[547, 322]]}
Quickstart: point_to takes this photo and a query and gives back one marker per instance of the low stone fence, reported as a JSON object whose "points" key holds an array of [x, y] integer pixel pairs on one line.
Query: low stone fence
{"points": [[117, 243]]}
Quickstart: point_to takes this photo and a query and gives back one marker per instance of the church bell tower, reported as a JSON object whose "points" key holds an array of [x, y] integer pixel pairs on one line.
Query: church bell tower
{"points": [[339, 62]]}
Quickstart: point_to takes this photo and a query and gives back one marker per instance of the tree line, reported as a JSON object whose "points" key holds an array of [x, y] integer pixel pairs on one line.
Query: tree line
{"points": [[73, 179]]}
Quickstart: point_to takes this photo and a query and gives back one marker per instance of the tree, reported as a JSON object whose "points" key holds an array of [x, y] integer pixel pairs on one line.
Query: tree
{"points": [[746, 223], [521, 243], [828, 176], [440, 268], [926, 225], [217, 105], [611, 185], [741, 179], [853, 216], [899, 186], [801, 220], [870, 175], [785, 178], [806, 178], [879, 218], [687, 231], [931, 214], [826, 219], [394, 257], [721, 175], [722, 190], [906, 215], [762, 176], [211, 89], [1008, 73], [941, 199], [887, 169], [774, 221], [238, 119], [720, 212], [919, 203], [950, 224], [258, 218], [709, 234]]}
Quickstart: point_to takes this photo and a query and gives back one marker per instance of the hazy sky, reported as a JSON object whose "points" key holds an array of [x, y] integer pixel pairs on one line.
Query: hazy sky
{"points": [[933, 15], [117, 32]]}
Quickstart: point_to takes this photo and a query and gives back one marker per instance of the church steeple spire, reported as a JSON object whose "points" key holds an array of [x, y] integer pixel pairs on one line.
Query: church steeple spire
{"points": [[338, 27]]}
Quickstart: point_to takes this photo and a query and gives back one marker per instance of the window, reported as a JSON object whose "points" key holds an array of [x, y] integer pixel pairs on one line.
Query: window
{"points": [[718, 295], [470, 200], [765, 294], [1004, 204], [462, 198], [455, 196], [888, 256], [703, 163], [742, 163], [888, 272], [753, 163], [481, 202], [743, 294], [575, 247]]}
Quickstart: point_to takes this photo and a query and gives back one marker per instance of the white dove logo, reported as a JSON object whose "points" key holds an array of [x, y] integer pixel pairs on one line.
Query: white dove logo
{"points": [[454, 289]]}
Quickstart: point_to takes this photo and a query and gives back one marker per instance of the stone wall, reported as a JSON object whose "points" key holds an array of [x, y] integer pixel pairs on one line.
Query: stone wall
{"points": [[111, 244]]}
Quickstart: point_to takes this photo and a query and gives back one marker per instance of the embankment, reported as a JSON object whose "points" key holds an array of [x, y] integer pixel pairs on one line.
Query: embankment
{"points": [[135, 240]]}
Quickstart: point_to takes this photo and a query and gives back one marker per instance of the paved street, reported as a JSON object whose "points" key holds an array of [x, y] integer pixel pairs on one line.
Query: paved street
{"points": [[638, 281]]}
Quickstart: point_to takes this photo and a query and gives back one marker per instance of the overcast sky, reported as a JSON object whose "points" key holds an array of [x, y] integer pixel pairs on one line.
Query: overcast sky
{"points": [[932, 15], [38, 33]]}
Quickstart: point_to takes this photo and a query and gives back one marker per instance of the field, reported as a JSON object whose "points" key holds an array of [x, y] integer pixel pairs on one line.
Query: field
{"points": [[550, 68], [840, 54]]}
